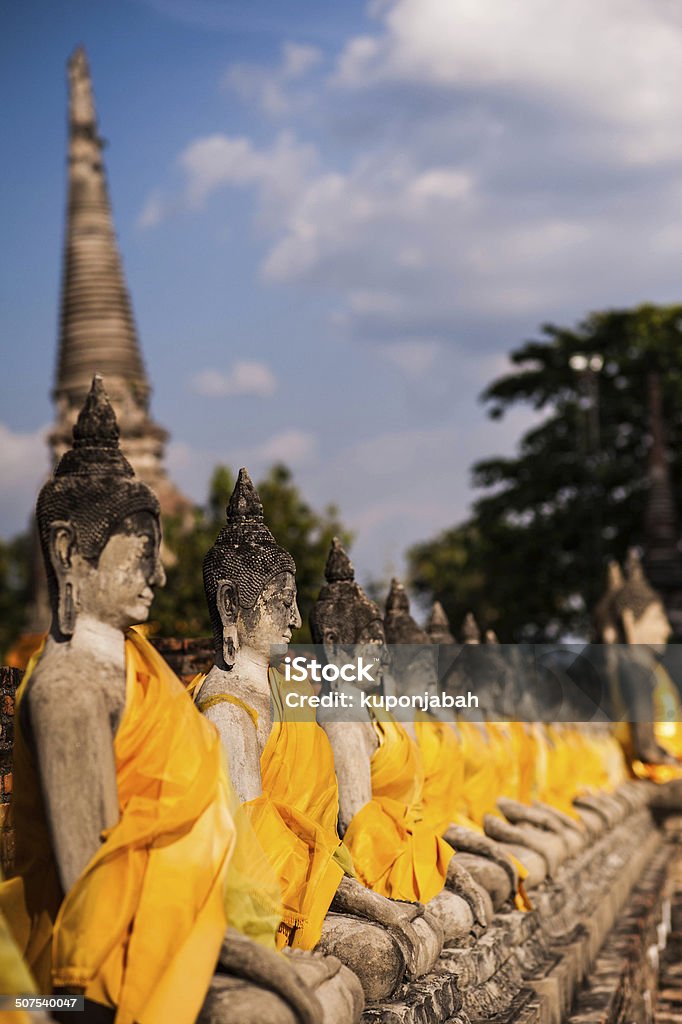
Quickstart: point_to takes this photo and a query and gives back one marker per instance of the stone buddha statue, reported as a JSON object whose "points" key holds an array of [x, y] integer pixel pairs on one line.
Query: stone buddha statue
{"points": [[250, 588], [442, 742], [380, 773], [647, 695], [117, 780]]}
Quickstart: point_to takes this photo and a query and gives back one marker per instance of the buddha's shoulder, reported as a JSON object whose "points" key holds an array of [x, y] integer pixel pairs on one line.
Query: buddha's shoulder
{"points": [[64, 683]]}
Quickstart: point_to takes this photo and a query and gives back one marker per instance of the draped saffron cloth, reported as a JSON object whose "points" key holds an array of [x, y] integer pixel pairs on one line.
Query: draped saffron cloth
{"points": [[395, 851], [443, 801], [295, 819], [142, 927]]}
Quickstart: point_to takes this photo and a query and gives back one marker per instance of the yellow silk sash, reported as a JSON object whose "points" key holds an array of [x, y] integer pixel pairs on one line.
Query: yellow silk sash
{"points": [[395, 852], [142, 926]]}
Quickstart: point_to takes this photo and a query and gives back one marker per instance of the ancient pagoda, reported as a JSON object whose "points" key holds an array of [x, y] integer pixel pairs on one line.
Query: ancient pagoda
{"points": [[97, 332]]}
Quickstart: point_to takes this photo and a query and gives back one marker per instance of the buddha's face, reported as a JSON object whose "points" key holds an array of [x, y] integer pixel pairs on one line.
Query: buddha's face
{"points": [[119, 590], [651, 628], [347, 637], [416, 670], [271, 621]]}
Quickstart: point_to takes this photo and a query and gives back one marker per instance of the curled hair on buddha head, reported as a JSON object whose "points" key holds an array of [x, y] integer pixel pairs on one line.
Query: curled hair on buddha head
{"points": [[636, 594], [245, 553], [343, 608], [399, 624], [92, 491]]}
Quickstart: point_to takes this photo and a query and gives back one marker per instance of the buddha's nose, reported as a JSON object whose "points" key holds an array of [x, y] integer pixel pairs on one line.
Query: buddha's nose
{"points": [[296, 620], [159, 577]]}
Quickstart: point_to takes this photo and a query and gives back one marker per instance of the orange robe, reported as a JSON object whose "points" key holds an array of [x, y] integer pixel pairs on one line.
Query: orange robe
{"points": [[295, 820], [395, 852], [142, 926], [443, 797]]}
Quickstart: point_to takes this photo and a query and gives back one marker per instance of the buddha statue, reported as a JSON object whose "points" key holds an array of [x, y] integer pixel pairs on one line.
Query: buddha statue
{"points": [[125, 828], [379, 770], [441, 742], [498, 757], [250, 588], [645, 692]]}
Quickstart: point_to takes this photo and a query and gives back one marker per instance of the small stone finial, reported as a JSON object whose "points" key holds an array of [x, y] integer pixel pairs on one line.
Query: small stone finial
{"points": [[471, 634], [491, 637], [614, 576], [397, 600], [82, 103], [96, 450], [438, 625], [96, 423], [338, 566], [399, 624], [244, 506]]}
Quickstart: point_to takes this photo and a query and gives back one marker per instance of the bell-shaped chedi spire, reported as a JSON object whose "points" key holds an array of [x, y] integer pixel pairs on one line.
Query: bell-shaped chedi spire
{"points": [[97, 331], [97, 328]]}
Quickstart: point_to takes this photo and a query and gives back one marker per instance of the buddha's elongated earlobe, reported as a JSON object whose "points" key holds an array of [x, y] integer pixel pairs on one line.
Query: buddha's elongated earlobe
{"points": [[227, 603], [62, 541]]}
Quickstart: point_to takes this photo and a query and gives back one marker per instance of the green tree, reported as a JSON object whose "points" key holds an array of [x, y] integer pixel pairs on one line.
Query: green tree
{"points": [[180, 608], [530, 562]]}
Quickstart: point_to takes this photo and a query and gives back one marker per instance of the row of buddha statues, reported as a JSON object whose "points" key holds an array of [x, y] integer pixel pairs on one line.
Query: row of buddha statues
{"points": [[197, 852]]}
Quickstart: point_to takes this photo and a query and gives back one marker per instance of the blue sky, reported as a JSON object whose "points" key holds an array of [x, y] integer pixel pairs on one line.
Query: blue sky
{"points": [[336, 220]]}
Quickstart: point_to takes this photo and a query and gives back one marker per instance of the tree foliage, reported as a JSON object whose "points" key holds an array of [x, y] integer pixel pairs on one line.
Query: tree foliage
{"points": [[530, 562], [180, 610]]}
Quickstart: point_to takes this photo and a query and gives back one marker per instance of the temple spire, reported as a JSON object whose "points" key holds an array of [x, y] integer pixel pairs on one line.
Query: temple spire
{"points": [[97, 333], [97, 329]]}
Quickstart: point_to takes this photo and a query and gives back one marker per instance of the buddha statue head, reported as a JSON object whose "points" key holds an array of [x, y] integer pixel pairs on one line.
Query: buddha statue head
{"points": [[344, 620], [438, 626], [414, 666], [605, 615], [249, 581], [639, 609], [99, 528]]}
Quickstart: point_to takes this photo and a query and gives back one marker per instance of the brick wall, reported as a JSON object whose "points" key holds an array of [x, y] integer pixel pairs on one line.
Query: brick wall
{"points": [[9, 681]]}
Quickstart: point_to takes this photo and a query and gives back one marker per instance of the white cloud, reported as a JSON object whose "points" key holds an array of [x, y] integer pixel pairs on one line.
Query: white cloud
{"points": [[616, 60], [271, 88], [245, 378], [414, 356], [294, 447], [23, 469]]}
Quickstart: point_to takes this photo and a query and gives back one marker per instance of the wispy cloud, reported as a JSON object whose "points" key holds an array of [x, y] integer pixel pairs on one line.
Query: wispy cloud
{"points": [[245, 378], [23, 468]]}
